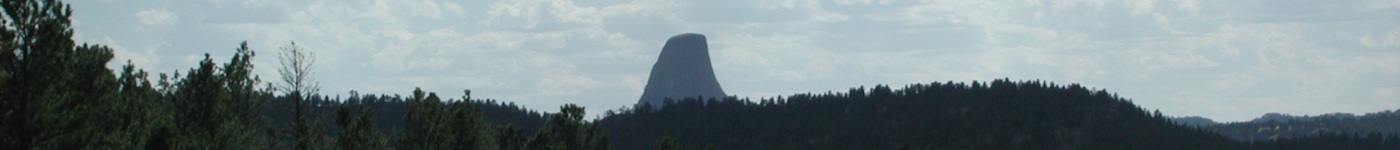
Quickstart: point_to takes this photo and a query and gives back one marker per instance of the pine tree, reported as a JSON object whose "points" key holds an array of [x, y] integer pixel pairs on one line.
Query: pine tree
{"points": [[568, 130], [467, 124], [360, 131], [667, 143], [431, 125], [509, 137], [418, 129], [55, 94], [216, 109]]}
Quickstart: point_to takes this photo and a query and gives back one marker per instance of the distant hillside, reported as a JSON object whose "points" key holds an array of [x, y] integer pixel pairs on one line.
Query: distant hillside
{"points": [[1274, 126], [1193, 121], [998, 115]]}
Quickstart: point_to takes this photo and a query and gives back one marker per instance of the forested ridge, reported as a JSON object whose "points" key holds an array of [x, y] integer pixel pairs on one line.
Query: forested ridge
{"points": [[1001, 114], [1273, 126], [59, 94]]}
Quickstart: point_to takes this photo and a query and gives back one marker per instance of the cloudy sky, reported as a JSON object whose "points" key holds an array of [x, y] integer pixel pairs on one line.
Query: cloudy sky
{"points": [[1227, 60]]}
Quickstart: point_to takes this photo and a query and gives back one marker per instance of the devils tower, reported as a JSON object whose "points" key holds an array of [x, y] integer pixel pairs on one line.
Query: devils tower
{"points": [[682, 71]]}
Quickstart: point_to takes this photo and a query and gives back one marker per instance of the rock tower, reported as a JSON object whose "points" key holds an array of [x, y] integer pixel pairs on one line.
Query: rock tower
{"points": [[682, 71]]}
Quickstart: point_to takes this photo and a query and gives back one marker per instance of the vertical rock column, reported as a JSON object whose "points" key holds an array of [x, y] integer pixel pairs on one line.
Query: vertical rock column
{"points": [[682, 71]]}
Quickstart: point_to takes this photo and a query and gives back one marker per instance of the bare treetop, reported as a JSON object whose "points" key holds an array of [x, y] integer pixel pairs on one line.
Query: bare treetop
{"points": [[296, 70]]}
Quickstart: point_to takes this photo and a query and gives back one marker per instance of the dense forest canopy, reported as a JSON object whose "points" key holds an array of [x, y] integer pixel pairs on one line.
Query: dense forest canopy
{"points": [[58, 94]]}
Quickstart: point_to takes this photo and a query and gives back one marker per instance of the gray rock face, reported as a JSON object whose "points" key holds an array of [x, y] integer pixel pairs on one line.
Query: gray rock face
{"points": [[682, 71]]}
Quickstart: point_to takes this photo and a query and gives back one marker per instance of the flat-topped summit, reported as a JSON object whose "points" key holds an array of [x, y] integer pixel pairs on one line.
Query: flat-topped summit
{"points": [[682, 71]]}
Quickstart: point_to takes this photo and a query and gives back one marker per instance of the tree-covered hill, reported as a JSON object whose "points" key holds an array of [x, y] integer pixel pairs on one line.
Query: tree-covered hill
{"points": [[1001, 114], [1274, 126]]}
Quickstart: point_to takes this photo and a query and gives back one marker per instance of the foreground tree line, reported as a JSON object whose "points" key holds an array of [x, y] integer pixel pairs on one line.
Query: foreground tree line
{"points": [[57, 94]]}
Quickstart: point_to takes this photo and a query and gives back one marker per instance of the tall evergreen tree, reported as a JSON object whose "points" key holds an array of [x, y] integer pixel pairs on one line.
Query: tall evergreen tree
{"points": [[360, 132], [55, 94], [418, 130], [568, 130], [431, 125], [467, 125], [217, 109], [667, 143], [509, 137]]}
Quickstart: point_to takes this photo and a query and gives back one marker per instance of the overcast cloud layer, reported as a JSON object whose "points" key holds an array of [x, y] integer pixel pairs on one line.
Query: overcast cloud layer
{"points": [[1227, 60]]}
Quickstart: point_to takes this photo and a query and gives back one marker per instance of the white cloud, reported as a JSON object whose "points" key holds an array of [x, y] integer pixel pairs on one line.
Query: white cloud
{"points": [[566, 85], [156, 17], [785, 57], [431, 9], [121, 55], [1380, 5], [1235, 82], [1139, 7], [956, 12], [1170, 59], [1384, 40], [508, 15]]}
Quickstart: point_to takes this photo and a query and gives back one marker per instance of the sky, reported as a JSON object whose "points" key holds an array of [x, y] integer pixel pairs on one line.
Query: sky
{"points": [[1226, 60]]}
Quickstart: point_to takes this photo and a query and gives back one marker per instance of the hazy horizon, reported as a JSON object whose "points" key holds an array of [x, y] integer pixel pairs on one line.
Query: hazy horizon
{"points": [[1224, 60]]}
